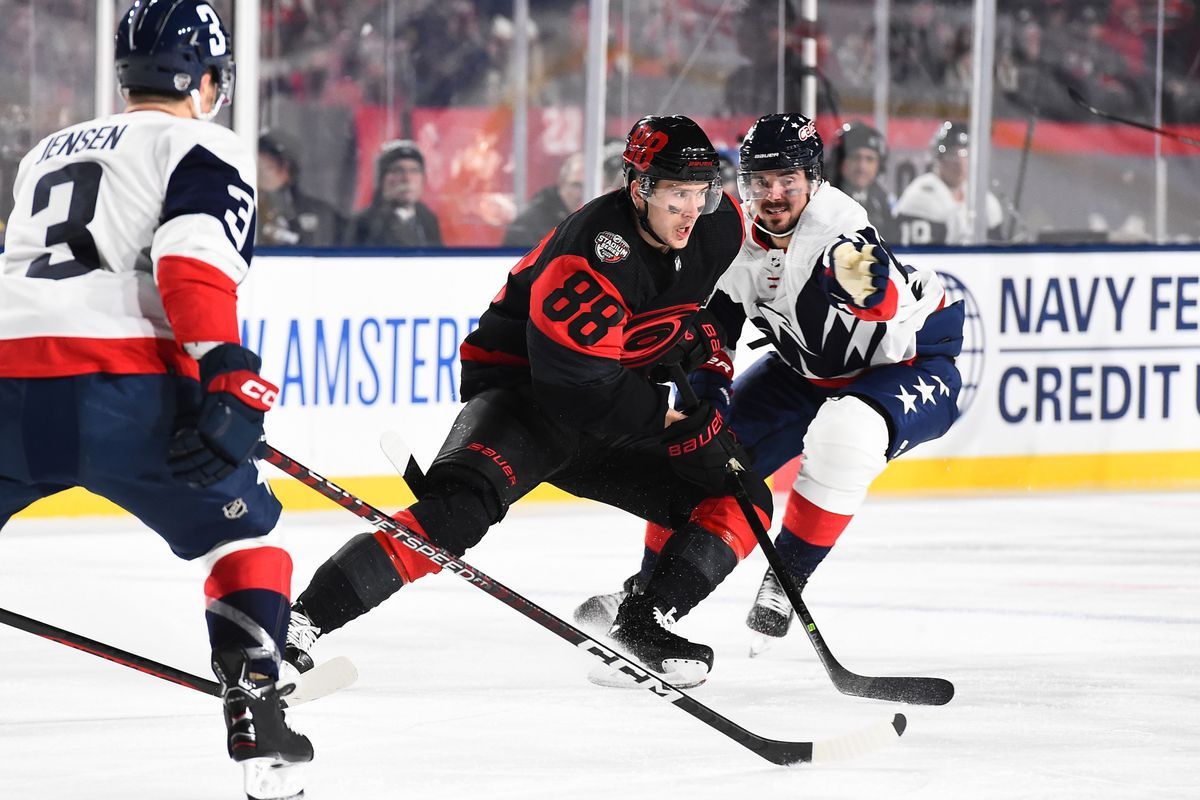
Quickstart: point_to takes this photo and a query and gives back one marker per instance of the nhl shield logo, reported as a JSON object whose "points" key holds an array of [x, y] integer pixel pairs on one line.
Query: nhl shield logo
{"points": [[235, 509], [611, 248]]}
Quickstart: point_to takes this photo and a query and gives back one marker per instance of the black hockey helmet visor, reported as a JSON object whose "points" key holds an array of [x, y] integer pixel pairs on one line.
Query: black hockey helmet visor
{"points": [[666, 155]]}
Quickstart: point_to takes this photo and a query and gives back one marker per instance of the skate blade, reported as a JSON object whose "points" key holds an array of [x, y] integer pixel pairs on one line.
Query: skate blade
{"points": [[272, 779], [323, 679], [761, 643], [682, 674]]}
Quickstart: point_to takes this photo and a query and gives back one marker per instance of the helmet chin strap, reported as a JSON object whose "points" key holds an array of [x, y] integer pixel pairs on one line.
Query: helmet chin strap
{"points": [[643, 218], [197, 105]]}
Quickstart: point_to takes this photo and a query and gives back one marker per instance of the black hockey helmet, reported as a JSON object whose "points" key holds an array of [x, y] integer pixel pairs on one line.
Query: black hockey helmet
{"points": [[951, 137], [855, 135], [781, 142], [164, 47], [671, 148]]}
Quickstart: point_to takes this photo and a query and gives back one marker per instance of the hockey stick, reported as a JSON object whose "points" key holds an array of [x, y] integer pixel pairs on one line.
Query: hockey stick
{"points": [[851, 745], [114, 654], [1091, 109], [325, 678], [912, 690]]}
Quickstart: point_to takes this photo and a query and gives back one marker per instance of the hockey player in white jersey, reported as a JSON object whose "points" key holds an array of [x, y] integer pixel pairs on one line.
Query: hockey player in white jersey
{"points": [[863, 368], [121, 368], [933, 208]]}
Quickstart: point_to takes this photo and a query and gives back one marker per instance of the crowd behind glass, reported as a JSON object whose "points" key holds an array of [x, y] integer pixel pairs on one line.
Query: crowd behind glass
{"points": [[388, 123]]}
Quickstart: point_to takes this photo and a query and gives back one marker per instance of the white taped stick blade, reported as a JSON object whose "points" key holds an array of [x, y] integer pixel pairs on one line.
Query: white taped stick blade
{"points": [[323, 679], [861, 742], [396, 449]]}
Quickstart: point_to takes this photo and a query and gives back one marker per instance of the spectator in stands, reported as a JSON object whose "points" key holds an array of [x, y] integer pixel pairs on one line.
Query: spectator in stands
{"points": [[549, 206], [396, 216], [286, 216], [859, 166]]}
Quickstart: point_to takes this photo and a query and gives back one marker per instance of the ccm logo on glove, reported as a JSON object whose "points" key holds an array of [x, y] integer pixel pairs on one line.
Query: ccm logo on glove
{"points": [[247, 387], [701, 439]]}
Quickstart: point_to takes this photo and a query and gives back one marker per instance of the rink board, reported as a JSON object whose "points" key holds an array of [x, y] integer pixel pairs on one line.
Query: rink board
{"points": [[1081, 368]]}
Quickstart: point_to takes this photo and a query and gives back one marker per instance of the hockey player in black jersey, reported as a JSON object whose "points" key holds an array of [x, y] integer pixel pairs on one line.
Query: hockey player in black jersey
{"points": [[863, 368], [560, 384]]}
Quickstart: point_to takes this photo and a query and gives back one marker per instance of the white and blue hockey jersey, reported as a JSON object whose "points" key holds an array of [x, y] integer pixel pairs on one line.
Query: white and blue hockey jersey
{"points": [[784, 294], [128, 238]]}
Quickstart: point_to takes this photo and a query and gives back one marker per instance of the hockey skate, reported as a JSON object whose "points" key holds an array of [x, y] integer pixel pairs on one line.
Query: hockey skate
{"points": [[301, 636], [595, 615], [643, 630], [771, 615], [271, 753]]}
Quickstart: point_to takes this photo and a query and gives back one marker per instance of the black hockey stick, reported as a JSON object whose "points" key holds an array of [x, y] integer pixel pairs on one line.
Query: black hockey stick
{"points": [[778, 752], [114, 654], [912, 690], [1091, 109], [323, 679]]}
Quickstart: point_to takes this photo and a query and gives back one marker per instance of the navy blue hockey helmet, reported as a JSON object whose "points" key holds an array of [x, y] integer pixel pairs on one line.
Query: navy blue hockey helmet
{"points": [[672, 148], [781, 142], [166, 46], [855, 135]]}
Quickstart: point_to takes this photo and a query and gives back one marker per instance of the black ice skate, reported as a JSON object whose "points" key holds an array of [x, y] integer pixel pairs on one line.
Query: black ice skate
{"points": [[643, 629], [271, 753], [771, 615], [595, 615], [301, 636]]}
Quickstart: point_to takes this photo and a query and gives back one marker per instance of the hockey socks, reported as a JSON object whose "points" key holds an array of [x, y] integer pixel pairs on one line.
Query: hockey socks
{"points": [[247, 603], [809, 533]]}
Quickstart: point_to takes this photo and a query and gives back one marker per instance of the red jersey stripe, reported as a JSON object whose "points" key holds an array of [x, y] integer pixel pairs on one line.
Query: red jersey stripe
{"points": [[61, 356]]}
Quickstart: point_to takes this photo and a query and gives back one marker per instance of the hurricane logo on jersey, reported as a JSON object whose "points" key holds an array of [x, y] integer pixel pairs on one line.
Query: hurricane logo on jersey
{"points": [[647, 336], [611, 248]]}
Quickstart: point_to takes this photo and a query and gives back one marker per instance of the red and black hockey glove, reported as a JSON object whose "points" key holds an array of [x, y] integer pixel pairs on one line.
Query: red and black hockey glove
{"points": [[701, 341], [230, 423], [699, 446]]}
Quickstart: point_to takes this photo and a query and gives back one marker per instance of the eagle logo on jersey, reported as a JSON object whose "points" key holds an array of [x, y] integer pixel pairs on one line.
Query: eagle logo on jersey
{"points": [[611, 248]]}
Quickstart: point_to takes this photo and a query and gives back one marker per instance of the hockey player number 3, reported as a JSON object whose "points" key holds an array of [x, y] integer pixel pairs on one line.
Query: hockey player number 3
{"points": [[83, 182], [216, 41], [591, 312]]}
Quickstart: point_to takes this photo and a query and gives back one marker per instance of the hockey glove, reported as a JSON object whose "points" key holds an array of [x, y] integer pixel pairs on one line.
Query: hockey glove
{"points": [[699, 446], [230, 423], [701, 341], [861, 276], [713, 383]]}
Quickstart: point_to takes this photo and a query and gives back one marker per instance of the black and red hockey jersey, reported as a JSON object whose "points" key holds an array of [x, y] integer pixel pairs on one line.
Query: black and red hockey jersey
{"points": [[586, 310]]}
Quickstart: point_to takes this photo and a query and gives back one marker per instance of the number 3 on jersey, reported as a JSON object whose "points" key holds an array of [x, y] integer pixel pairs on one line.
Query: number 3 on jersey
{"points": [[591, 312], [83, 182]]}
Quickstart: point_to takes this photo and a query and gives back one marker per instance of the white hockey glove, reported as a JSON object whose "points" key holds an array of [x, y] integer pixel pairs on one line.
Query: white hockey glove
{"points": [[860, 274]]}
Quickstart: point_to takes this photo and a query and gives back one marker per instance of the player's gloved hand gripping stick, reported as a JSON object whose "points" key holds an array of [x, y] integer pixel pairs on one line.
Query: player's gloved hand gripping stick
{"points": [[917, 691], [230, 422]]}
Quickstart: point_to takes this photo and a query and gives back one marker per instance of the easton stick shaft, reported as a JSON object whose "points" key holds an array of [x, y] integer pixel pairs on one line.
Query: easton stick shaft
{"points": [[776, 751], [911, 690]]}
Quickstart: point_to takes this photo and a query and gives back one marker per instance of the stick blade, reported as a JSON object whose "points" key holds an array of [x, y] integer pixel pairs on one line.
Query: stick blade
{"points": [[912, 691], [323, 679], [395, 449], [861, 742]]}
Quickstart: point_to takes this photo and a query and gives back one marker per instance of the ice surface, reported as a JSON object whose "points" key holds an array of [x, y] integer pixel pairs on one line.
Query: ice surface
{"points": [[1069, 624]]}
